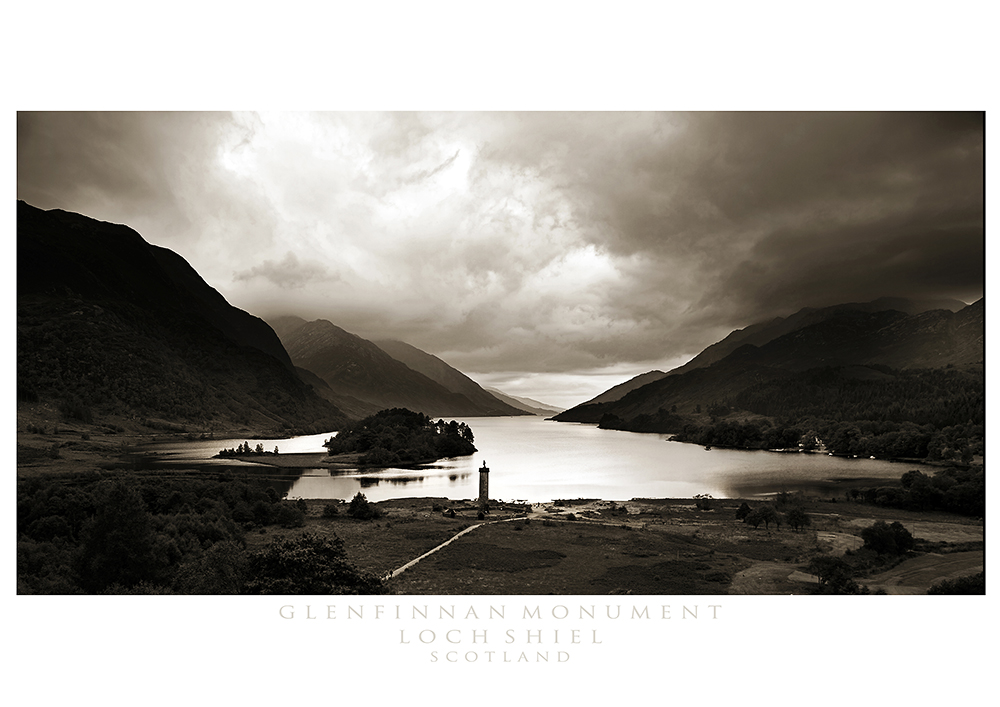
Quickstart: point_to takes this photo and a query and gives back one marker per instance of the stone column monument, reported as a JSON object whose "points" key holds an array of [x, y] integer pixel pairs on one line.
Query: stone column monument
{"points": [[484, 489]]}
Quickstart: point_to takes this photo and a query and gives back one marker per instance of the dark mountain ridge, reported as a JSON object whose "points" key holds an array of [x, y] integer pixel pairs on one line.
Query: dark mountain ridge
{"points": [[862, 343], [622, 389], [764, 332], [111, 325], [355, 367], [64, 253], [447, 376]]}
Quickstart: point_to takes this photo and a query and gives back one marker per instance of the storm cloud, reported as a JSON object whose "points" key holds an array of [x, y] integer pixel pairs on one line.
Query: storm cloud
{"points": [[549, 254]]}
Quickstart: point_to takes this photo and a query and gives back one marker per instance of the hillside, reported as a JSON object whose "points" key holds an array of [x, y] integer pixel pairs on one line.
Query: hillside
{"points": [[885, 368], [622, 389], [529, 405], [765, 332], [355, 367], [112, 328], [451, 378]]}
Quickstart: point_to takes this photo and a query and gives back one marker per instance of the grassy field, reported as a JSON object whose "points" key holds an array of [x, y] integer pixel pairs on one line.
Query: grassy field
{"points": [[639, 547]]}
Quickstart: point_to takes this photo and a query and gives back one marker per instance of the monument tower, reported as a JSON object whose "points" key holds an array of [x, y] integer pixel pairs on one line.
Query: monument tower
{"points": [[484, 489]]}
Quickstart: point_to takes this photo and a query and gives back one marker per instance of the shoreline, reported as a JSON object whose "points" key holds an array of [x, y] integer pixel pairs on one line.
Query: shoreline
{"points": [[69, 451]]}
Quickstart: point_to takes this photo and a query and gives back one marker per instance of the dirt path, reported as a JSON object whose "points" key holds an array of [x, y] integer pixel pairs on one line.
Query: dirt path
{"points": [[542, 511], [399, 570]]}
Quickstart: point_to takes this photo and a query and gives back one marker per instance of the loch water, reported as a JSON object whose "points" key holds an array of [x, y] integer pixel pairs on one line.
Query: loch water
{"points": [[537, 460]]}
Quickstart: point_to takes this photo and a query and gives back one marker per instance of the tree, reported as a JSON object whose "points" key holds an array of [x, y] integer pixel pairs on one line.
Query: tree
{"points": [[222, 569], [834, 576], [307, 564], [361, 509], [914, 478], [808, 440], [743, 511], [797, 518], [118, 545], [289, 515], [827, 568], [763, 514], [886, 539]]}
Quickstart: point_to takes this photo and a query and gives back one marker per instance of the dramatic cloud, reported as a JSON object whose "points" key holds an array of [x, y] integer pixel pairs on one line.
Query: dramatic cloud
{"points": [[287, 274], [550, 254]]}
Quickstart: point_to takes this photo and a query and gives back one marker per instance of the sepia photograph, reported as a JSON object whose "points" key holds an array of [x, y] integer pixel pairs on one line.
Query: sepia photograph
{"points": [[528, 352], [501, 353]]}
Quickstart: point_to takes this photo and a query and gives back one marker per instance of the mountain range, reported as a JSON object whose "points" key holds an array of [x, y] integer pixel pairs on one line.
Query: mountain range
{"points": [[858, 341], [116, 331], [110, 327], [527, 404], [355, 371]]}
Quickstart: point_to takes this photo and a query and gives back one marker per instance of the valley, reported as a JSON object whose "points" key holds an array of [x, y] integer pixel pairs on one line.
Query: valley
{"points": [[123, 349]]}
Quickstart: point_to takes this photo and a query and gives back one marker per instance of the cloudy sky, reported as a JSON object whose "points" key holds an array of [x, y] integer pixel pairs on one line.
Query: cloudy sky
{"points": [[548, 254]]}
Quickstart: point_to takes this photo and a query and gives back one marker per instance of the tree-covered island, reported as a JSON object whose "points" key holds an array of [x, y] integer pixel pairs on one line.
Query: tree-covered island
{"points": [[401, 436]]}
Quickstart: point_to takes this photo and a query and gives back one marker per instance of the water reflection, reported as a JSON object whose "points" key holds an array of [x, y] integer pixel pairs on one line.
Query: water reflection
{"points": [[369, 481], [539, 460]]}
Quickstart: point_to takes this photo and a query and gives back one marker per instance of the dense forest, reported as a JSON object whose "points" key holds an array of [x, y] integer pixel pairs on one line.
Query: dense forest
{"points": [[115, 360], [401, 436], [84, 534], [933, 414]]}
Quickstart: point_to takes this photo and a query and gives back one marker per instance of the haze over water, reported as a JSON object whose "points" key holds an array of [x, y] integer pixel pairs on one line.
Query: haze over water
{"points": [[537, 460]]}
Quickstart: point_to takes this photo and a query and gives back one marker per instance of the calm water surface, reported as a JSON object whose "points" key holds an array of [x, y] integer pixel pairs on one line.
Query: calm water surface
{"points": [[534, 459]]}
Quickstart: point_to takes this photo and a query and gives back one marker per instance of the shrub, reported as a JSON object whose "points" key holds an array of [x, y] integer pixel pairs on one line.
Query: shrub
{"points": [[289, 516], [307, 564], [973, 584], [885, 539], [361, 509]]}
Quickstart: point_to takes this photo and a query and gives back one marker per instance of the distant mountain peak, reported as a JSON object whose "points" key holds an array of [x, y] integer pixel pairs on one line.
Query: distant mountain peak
{"points": [[529, 405], [356, 369]]}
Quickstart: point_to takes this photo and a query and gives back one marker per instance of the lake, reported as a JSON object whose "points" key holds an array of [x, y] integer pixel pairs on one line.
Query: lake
{"points": [[538, 460]]}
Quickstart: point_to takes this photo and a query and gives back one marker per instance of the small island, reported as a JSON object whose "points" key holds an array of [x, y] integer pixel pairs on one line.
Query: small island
{"points": [[400, 436], [244, 450]]}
